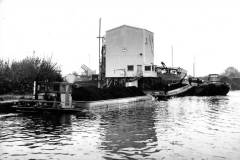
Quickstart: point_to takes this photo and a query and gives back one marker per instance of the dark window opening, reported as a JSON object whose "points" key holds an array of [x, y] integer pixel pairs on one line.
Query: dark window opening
{"points": [[147, 68], [130, 67]]}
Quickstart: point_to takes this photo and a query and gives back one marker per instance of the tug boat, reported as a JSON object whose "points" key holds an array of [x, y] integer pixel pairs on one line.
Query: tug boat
{"points": [[196, 87], [212, 87]]}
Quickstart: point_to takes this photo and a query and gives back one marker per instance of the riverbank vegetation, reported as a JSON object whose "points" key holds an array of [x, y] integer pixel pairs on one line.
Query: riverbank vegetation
{"points": [[232, 76], [17, 77]]}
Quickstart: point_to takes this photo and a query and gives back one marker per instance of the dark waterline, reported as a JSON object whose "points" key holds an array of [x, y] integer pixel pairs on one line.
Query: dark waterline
{"points": [[180, 128]]}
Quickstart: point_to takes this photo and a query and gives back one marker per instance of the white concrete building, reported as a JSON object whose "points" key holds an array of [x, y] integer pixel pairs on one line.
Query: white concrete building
{"points": [[129, 52]]}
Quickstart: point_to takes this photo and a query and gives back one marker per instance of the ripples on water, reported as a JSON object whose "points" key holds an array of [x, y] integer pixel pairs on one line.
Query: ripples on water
{"points": [[180, 128]]}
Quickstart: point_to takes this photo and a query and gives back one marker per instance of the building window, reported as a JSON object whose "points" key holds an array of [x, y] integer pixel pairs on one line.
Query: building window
{"points": [[147, 68], [124, 49], [130, 67]]}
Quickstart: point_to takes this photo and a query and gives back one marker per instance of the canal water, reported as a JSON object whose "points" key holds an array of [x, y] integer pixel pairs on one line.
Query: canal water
{"points": [[180, 128]]}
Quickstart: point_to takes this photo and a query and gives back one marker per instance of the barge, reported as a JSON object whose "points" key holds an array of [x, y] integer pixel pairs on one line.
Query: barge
{"points": [[61, 97]]}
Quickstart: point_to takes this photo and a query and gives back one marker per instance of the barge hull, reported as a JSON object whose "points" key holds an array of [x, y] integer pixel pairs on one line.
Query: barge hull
{"points": [[88, 106]]}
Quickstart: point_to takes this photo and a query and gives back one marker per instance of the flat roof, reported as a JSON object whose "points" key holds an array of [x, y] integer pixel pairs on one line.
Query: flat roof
{"points": [[128, 27]]}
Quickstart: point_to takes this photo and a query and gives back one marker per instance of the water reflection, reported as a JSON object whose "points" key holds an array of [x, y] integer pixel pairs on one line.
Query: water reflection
{"points": [[47, 123], [129, 133], [197, 127], [34, 134], [180, 128]]}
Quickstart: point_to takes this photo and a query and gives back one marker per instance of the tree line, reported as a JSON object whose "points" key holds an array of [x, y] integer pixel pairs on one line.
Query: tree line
{"points": [[232, 76], [18, 76], [231, 72]]}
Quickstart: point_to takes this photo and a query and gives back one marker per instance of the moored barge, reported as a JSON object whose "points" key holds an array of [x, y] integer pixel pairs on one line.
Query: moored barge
{"points": [[65, 97]]}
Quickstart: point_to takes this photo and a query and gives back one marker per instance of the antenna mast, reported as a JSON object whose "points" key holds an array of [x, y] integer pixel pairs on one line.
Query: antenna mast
{"points": [[194, 66], [172, 55], [99, 45], [99, 50]]}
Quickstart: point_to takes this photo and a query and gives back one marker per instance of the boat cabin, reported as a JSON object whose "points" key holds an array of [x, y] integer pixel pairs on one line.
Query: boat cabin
{"points": [[54, 92], [213, 78]]}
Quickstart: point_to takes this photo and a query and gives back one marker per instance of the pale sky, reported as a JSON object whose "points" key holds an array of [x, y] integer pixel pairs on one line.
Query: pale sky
{"points": [[208, 30]]}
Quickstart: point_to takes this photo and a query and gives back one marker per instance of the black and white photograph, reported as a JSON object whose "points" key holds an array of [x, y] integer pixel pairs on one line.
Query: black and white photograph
{"points": [[119, 80]]}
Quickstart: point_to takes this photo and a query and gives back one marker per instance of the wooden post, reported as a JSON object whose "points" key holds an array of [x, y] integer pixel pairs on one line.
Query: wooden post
{"points": [[35, 90]]}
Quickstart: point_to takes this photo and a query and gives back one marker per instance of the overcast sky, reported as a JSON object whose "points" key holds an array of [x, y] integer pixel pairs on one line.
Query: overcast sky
{"points": [[208, 30]]}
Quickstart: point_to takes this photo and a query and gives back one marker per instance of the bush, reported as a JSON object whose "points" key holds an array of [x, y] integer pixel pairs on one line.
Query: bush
{"points": [[18, 77]]}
